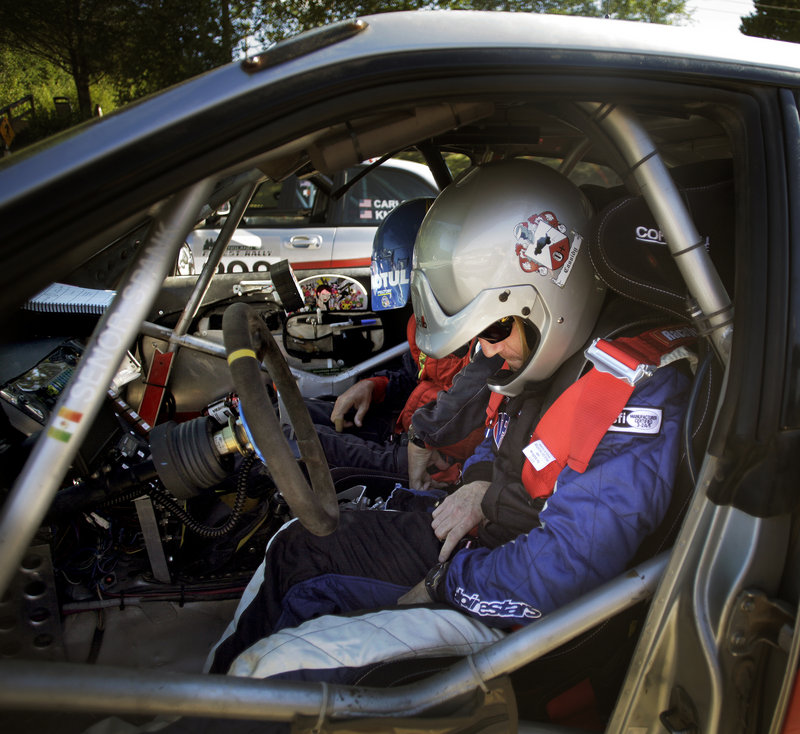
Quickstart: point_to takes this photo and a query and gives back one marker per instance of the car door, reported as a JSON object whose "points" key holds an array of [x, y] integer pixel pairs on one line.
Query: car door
{"points": [[314, 229], [284, 221], [364, 205]]}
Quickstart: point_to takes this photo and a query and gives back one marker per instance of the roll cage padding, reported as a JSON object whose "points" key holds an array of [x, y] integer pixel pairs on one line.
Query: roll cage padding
{"points": [[248, 342]]}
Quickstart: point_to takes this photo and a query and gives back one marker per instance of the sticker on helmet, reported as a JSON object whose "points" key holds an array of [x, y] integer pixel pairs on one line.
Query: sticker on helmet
{"points": [[390, 278], [541, 243], [561, 280], [392, 249]]}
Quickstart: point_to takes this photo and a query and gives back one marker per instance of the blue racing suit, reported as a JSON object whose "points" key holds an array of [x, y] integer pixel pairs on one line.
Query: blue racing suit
{"points": [[585, 533], [530, 556]]}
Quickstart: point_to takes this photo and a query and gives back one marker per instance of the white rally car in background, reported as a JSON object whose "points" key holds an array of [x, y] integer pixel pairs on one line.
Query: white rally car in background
{"points": [[321, 224]]}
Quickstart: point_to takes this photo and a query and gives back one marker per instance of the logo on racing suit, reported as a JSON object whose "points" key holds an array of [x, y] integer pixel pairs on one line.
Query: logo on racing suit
{"points": [[639, 420], [679, 333], [499, 428], [486, 608], [541, 243]]}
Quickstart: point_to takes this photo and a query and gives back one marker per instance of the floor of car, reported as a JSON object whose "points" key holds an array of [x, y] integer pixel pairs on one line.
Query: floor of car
{"points": [[162, 636], [153, 635]]}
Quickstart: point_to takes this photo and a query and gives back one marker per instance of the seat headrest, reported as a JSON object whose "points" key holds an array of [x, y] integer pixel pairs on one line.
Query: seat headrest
{"points": [[631, 256]]}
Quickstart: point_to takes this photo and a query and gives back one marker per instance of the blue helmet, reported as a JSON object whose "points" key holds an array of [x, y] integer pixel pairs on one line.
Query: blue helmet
{"points": [[392, 253]]}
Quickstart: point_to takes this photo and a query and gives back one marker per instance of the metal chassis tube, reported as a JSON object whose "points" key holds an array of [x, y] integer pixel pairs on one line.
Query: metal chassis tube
{"points": [[72, 687], [200, 289], [321, 383], [684, 241], [645, 693], [210, 266], [67, 687], [227, 190], [69, 423]]}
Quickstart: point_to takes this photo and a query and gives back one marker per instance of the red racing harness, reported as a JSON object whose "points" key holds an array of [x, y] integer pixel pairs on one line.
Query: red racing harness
{"points": [[568, 433]]}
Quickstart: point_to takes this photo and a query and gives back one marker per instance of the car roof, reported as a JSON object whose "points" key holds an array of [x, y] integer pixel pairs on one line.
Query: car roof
{"points": [[609, 44], [57, 197], [562, 33]]}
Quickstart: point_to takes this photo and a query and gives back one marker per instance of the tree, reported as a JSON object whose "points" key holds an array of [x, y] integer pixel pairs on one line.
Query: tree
{"points": [[287, 17], [167, 41], [649, 11], [77, 36], [769, 19], [143, 45]]}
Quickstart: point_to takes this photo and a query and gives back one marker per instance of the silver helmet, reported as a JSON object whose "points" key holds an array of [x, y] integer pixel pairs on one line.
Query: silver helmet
{"points": [[506, 239]]}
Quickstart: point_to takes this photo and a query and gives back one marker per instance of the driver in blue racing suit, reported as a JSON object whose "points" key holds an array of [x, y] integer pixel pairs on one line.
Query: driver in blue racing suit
{"points": [[567, 482]]}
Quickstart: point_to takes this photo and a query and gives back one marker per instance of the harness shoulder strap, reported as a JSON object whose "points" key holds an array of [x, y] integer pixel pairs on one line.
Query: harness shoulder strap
{"points": [[493, 406], [571, 429]]}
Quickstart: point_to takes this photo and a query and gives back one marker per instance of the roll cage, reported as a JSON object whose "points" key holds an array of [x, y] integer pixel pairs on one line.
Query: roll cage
{"points": [[643, 115]]}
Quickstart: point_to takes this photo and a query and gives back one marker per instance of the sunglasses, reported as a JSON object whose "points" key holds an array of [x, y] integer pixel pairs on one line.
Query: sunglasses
{"points": [[498, 331]]}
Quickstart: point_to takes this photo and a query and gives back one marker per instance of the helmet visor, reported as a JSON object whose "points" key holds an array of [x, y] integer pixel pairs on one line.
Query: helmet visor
{"points": [[439, 333]]}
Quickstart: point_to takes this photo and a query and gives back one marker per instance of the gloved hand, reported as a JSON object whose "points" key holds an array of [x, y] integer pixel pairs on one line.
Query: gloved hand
{"points": [[358, 397], [419, 459], [457, 515]]}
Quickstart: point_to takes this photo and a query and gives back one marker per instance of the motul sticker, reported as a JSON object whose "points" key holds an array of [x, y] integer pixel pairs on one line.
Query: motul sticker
{"points": [[542, 244], [638, 420]]}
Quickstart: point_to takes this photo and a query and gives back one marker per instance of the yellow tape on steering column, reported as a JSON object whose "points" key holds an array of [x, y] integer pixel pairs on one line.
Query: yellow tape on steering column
{"points": [[239, 353]]}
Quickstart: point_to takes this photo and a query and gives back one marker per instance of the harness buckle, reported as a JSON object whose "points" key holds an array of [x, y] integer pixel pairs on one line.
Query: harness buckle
{"points": [[605, 362]]}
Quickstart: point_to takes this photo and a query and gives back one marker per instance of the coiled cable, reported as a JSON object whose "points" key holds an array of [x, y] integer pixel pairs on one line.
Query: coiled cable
{"points": [[157, 492]]}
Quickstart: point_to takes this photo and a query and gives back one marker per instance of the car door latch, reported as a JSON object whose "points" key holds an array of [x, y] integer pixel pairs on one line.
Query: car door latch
{"points": [[756, 618]]}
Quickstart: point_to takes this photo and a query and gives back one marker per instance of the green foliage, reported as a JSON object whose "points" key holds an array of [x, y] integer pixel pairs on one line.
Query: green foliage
{"points": [[286, 18], [23, 74], [780, 21], [108, 52], [167, 41], [77, 36], [647, 11]]}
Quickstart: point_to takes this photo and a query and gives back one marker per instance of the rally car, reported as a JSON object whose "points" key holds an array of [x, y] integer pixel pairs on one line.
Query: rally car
{"points": [[130, 524], [317, 225]]}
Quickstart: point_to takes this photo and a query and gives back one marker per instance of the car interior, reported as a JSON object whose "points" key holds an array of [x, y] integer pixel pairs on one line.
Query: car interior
{"points": [[158, 520]]}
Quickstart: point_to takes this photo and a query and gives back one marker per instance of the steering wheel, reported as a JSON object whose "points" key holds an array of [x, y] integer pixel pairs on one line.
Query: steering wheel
{"points": [[247, 343]]}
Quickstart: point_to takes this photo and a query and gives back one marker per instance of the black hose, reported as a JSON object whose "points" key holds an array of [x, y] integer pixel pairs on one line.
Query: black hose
{"points": [[158, 493], [129, 496], [113, 488]]}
